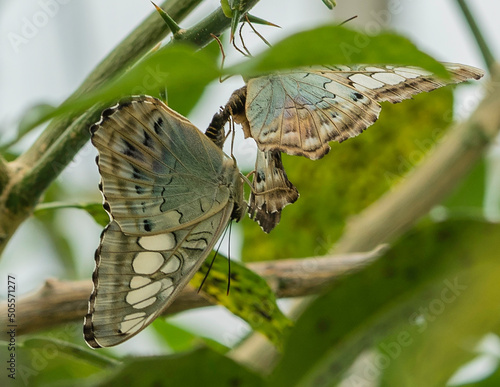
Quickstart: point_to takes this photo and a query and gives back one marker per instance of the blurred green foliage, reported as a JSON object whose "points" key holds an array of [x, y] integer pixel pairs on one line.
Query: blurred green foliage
{"points": [[353, 175], [437, 288], [249, 297], [432, 296]]}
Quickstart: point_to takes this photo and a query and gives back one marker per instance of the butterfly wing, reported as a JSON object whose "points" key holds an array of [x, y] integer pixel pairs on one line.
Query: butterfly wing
{"points": [[272, 190], [170, 193], [136, 278], [299, 112], [158, 171]]}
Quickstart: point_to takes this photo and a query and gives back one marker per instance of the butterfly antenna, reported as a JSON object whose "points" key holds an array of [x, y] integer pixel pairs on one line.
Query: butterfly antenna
{"points": [[257, 32], [235, 45], [213, 260], [221, 48], [240, 33], [247, 180], [229, 260], [348, 20]]}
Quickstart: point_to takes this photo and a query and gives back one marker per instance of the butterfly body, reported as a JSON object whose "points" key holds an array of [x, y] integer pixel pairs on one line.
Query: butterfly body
{"points": [[170, 192]]}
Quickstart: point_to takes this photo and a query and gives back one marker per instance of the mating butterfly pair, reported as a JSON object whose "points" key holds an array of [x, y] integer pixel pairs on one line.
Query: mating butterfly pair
{"points": [[170, 190]]}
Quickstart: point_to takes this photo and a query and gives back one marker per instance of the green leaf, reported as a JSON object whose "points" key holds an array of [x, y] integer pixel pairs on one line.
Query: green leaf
{"points": [[93, 209], [51, 228], [176, 338], [352, 176], [43, 361], [180, 67], [329, 3], [449, 264], [250, 297], [468, 197], [180, 340], [455, 318], [337, 45], [202, 367], [31, 116], [226, 8]]}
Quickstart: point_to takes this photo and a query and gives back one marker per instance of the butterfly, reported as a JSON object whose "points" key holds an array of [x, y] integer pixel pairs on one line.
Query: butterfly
{"points": [[300, 111], [169, 192]]}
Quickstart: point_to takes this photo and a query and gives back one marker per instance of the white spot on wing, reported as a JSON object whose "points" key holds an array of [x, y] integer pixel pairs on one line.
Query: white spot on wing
{"points": [[167, 292], [366, 81], [147, 262], [134, 316], [388, 78], [374, 69], [145, 304], [167, 282], [409, 72], [311, 143], [172, 265], [357, 86], [135, 296], [131, 326], [158, 242], [138, 281]]}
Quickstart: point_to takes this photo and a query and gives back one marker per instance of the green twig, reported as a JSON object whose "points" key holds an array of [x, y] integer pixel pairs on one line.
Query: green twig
{"points": [[133, 47], [215, 23], [476, 31], [64, 136], [67, 143]]}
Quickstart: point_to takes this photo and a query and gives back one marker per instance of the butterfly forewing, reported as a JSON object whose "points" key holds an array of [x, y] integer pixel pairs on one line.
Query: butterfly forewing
{"points": [[299, 112], [147, 153], [170, 192]]}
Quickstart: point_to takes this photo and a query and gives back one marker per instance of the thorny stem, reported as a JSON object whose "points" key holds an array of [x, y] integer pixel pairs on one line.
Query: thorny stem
{"points": [[476, 31], [63, 138]]}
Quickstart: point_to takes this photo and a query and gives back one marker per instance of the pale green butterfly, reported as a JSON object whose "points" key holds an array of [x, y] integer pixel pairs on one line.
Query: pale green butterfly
{"points": [[169, 192], [299, 111]]}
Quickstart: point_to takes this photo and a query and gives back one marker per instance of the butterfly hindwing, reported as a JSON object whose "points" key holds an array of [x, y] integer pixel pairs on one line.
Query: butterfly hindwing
{"points": [[136, 278], [299, 112], [271, 190], [169, 192]]}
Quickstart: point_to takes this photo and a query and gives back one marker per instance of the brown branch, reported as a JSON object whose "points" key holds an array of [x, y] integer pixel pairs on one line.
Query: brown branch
{"points": [[58, 302]]}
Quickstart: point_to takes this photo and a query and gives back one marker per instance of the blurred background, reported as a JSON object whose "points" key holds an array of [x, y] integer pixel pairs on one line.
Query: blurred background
{"points": [[48, 50]]}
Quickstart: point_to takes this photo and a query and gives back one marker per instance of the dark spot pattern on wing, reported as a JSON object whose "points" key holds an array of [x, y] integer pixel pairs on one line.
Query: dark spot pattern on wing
{"points": [[148, 141], [140, 190], [147, 225], [132, 151], [158, 125]]}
